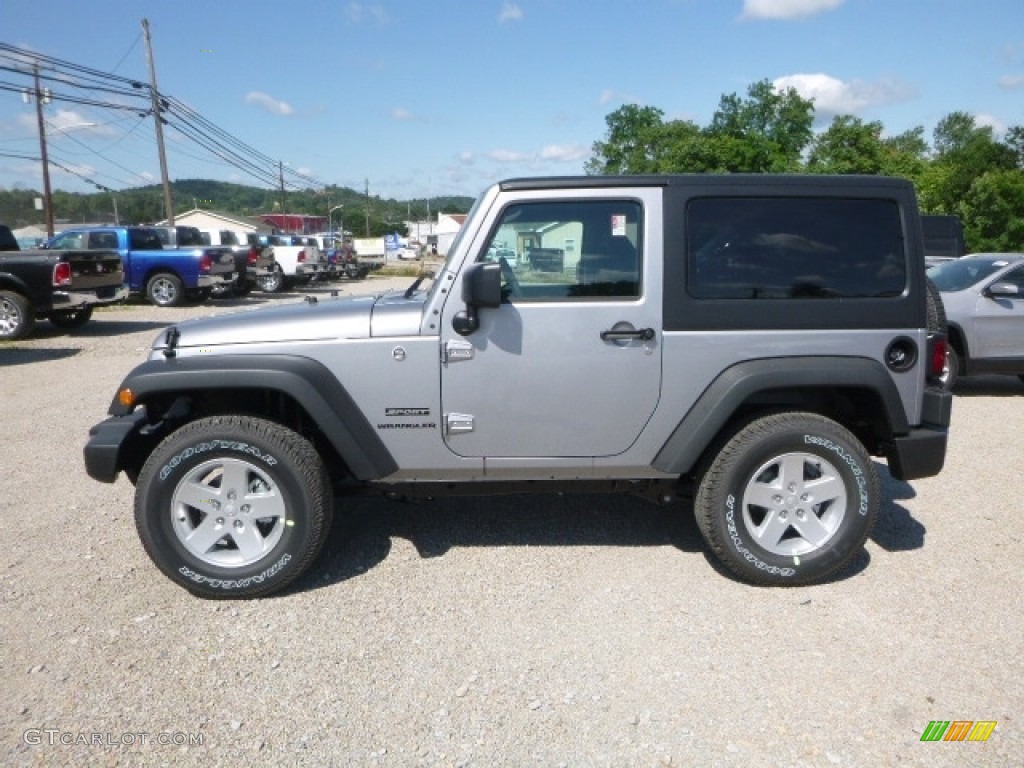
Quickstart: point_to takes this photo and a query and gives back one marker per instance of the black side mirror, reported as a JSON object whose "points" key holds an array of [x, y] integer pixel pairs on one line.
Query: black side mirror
{"points": [[481, 289]]}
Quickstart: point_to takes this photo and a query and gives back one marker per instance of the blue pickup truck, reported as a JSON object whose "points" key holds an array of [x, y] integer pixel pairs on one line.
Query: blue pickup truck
{"points": [[164, 276]]}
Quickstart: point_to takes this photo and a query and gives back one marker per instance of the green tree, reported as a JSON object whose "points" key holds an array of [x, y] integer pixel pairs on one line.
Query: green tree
{"points": [[993, 212], [965, 151], [766, 132], [849, 145], [631, 144]]}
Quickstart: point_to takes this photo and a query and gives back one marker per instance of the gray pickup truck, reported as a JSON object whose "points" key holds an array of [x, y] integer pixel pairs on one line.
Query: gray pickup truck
{"points": [[748, 342], [62, 286]]}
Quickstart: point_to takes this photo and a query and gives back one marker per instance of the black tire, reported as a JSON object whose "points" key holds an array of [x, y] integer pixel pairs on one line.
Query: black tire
{"points": [[16, 317], [69, 319], [243, 288], [790, 462], [198, 532], [272, 283], [165, 290], [951, 371], [352, 272]]}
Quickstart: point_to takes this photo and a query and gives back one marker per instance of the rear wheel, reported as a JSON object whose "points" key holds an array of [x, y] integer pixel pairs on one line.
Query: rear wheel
{"points": [[233, 506], [16, 317], [165, 290], [271, 283], [789, 500], [71, 318]]}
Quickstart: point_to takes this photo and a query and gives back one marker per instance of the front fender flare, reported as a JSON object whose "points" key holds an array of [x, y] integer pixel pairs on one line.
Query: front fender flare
{"points": [[305, 380]]}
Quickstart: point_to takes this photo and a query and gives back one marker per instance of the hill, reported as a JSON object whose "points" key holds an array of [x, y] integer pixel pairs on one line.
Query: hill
{"points": [[145, 204]]}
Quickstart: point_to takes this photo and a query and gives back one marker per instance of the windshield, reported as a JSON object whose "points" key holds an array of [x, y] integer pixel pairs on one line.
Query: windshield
{"points": [[454, 247], [963, 273]]}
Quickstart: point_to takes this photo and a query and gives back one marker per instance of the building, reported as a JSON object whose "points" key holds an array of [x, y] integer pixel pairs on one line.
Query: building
{"points": [[210, 221]]}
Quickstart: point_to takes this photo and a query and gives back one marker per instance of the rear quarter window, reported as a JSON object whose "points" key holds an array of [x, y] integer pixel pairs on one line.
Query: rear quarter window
{"points": [[794, 248]]}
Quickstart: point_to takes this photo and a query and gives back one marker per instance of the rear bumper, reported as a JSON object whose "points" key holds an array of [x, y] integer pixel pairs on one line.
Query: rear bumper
{"points": [[922, 452], [209, 281], [93, 298], [107, 442]]}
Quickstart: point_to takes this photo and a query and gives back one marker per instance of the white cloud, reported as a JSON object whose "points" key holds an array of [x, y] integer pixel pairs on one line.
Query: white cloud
{"points": [[607, 96], [269, 103], [401, 113], [1011, 82], [510, 12], [507, 156], [564, 153], [360, 12], [991, 121], [832, 96], [786, 9]]}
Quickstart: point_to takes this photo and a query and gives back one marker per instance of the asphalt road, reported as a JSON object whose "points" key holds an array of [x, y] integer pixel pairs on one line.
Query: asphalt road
{"points": [[547, 630]]}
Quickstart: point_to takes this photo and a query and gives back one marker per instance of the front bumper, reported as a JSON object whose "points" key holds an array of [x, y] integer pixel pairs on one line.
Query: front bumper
{"points": [[107, 444]]}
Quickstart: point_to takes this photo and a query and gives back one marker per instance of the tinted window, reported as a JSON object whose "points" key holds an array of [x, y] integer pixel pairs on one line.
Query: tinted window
{"points": [[784, 248], [563, 250], [144, 240], [104, 240]]}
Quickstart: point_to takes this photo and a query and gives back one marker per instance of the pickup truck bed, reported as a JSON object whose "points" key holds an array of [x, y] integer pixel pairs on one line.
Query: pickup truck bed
{"points": [[62, 286]]}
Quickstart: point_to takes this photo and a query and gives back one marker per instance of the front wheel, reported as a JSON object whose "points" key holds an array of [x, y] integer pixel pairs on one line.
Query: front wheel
{"points": [[790, 499], [233, 506], [71, 318]]}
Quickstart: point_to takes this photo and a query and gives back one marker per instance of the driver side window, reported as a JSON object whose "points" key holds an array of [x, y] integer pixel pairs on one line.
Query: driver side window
{"points": [[566, 250]]}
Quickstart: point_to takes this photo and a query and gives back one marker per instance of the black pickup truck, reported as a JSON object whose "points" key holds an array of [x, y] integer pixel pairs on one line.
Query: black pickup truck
{"points": [[62, 286]]}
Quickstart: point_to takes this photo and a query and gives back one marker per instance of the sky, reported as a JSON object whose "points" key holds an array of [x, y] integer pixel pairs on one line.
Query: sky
{"points": [[418, 99]]}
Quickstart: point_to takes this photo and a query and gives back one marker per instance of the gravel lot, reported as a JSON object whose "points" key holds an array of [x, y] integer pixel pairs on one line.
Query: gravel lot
{"points": [[562, 630]]}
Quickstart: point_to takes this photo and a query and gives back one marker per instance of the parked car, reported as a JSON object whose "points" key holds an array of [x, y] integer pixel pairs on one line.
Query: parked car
{"points": [[984, 299], [165, 276], [758, 384], [298, 260], [253, 261], [62, 286]]}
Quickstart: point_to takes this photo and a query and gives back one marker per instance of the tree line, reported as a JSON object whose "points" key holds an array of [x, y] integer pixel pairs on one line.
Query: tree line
{"points": [[965, 171], [144, 205]]}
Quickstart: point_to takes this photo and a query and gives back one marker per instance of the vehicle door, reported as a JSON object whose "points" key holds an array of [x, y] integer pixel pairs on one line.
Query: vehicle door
{"points": [[999, 320], [569, 365]]}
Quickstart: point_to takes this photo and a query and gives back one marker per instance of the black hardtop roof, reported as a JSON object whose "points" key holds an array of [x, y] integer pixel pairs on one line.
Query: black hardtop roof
{"points": [[717, 180]]}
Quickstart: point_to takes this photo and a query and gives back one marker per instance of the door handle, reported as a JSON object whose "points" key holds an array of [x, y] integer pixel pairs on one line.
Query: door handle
{"points": [[641, 334]]}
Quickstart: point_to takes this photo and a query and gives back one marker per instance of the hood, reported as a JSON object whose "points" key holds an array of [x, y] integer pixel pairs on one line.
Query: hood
{"points": [[315, 319], [323, 319]]}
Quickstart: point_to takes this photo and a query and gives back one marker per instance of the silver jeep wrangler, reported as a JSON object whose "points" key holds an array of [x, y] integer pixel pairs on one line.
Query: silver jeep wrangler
{"points": [[746, 341]]}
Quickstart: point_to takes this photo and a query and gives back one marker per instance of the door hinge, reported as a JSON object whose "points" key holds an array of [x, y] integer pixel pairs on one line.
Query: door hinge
{"points": [[455, 350], [458, 423]]}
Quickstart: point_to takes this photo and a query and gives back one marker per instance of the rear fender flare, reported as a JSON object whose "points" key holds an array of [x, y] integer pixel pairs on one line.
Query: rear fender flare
{"points": [[737, 384]]}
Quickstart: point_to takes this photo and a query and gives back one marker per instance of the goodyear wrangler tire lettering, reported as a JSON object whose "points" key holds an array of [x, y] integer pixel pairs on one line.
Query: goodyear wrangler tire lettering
{"points": [[233, 506], [789, 499]]}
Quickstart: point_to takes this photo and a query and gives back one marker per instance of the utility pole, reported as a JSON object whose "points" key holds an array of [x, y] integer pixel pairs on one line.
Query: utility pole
{"points": [[155, 94], [284, 197], [47, 194]]}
